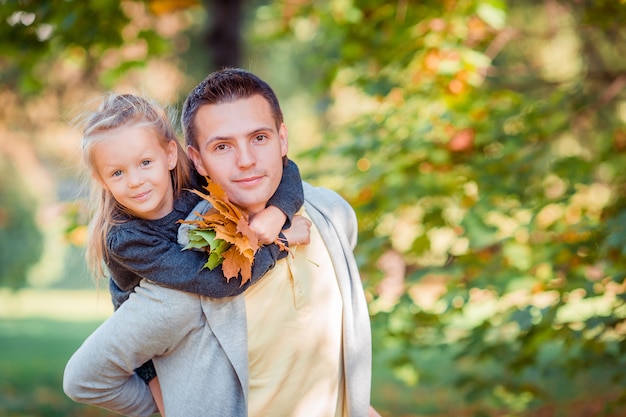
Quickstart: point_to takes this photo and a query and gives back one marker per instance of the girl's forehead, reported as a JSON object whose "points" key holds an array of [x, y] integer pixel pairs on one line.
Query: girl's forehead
{"points": [[129, 135], [124, 144]]}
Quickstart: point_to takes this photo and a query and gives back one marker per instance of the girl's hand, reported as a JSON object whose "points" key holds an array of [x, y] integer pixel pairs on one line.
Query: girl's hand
{"points": [[373, 413], [267, 224], [300, 231]]}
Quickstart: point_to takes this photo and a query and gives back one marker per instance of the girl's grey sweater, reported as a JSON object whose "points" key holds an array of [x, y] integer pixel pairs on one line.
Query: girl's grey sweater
{"points": [[149, 249]]}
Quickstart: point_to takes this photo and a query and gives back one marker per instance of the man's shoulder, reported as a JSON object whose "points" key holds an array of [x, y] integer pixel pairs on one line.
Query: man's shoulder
{"points": [[312, 192], [324, 199], [176, 301]]}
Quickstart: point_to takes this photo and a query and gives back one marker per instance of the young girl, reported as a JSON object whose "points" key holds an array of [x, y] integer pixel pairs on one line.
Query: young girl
{"points": [[141, 176]]}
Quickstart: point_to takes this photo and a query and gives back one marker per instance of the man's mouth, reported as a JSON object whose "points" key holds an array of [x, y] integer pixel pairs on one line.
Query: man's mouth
{"points": [[249, 180]]}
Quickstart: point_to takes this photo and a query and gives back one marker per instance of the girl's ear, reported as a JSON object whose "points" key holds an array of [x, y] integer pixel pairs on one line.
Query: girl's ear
{"points": [[172, 154], [97, 178]]}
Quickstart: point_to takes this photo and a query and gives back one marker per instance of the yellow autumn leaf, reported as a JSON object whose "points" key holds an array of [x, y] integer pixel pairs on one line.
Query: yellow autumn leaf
{"points": [[231, 225]]}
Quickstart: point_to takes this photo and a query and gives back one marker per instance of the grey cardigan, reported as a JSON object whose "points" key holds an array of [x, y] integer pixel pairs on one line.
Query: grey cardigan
{"points": [[198, 344]]}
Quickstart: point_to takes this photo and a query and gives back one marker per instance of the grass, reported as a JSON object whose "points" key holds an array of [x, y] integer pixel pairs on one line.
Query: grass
{"points": [[34, 353], [39, 331]]}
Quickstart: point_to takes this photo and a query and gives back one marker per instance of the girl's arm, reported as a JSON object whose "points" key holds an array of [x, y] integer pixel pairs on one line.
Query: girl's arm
{"points": [[145, 254], [137, 253], [300, 231], [289, 196], [281, 207]]}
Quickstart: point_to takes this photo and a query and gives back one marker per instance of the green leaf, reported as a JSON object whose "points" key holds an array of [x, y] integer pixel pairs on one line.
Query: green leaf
{"points": [[221, 247], [214, 260]]}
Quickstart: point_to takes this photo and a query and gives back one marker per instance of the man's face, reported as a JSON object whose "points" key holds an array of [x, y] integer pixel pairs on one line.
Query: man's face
{"points": [[240, 149]]}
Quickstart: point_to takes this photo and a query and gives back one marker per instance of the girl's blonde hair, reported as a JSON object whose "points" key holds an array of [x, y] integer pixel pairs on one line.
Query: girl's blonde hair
{"points": [[122, 111]]}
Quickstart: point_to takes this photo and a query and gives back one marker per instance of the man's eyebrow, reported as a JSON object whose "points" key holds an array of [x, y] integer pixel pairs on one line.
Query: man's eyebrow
{"points": [[255, 131], [217, 138], [262, 129]]}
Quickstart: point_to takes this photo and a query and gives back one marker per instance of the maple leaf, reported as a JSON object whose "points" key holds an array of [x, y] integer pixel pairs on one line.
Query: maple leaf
{"points": [[206, 240], [224, 233]]}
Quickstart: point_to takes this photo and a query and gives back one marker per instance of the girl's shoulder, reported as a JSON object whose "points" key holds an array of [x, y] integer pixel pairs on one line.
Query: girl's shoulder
{"points": [[132, 231], [185, 203]]}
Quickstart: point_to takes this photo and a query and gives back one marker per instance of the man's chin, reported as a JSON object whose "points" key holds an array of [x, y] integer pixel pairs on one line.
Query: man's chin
{"points": [[251, 208], [245, 206], [253, 201]]}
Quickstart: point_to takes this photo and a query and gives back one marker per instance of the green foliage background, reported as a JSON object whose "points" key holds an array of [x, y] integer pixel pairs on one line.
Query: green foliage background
{"points": [[485, 147], [482, 144], [18, 226]]}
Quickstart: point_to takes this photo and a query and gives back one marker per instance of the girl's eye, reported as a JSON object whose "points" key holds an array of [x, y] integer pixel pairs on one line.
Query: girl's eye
{"points": [[116, 173], [145, 163]]}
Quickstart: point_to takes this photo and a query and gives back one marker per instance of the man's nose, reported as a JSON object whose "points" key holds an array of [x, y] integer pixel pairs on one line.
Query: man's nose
{"points": [[246, 156]]}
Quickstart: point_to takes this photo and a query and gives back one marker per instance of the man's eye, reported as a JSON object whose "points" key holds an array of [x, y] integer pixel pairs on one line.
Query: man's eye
{"points": [[220, 147], [260, 138]]}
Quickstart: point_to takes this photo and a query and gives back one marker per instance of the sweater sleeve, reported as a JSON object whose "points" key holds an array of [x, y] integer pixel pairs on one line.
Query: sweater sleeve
{"points": [[148, 255], [289, 196], [151, 322], [118, 296]]}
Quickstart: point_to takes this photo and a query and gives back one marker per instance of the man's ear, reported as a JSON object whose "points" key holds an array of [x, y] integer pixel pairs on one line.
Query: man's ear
{"points": [[284, 142], [194, 154]]}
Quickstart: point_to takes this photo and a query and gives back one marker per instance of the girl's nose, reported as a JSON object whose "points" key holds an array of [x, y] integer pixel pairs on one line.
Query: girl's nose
{"points": [[135, 179]]}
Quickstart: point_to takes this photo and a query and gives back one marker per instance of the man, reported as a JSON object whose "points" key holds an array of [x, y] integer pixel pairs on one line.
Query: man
{"points": [[297, 343]]}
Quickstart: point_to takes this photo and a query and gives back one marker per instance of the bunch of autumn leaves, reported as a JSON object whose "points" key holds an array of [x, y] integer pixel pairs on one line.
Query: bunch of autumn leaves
{"points": [[225, 234]]}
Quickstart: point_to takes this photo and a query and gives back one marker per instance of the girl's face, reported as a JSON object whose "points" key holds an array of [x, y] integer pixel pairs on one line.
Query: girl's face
{"points": [[134, 166]]}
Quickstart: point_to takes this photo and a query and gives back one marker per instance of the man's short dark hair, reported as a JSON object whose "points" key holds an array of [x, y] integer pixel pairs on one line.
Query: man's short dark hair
{"points": [[224, 86]]}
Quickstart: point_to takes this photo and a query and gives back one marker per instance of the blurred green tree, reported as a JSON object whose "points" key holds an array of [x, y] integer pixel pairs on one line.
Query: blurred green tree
{"points": [[39, 34], [20, 238], [42, 33], [57, 54], [52, 53], [482, 143]]}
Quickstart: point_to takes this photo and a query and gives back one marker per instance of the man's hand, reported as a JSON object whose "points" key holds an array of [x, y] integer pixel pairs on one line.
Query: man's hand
{"points": [[300, 231], [267, 224]]}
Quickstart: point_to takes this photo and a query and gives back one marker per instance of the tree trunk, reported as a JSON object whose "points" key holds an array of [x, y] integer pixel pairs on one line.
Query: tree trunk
{"points": [[223, 38]]}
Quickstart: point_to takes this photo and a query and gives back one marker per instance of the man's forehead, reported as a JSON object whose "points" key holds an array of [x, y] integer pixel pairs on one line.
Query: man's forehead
{"points": [[236, 115]]}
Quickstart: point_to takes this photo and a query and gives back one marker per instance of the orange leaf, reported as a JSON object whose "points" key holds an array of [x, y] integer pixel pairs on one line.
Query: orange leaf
{"points": [[231, 225], [236, 263]]}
